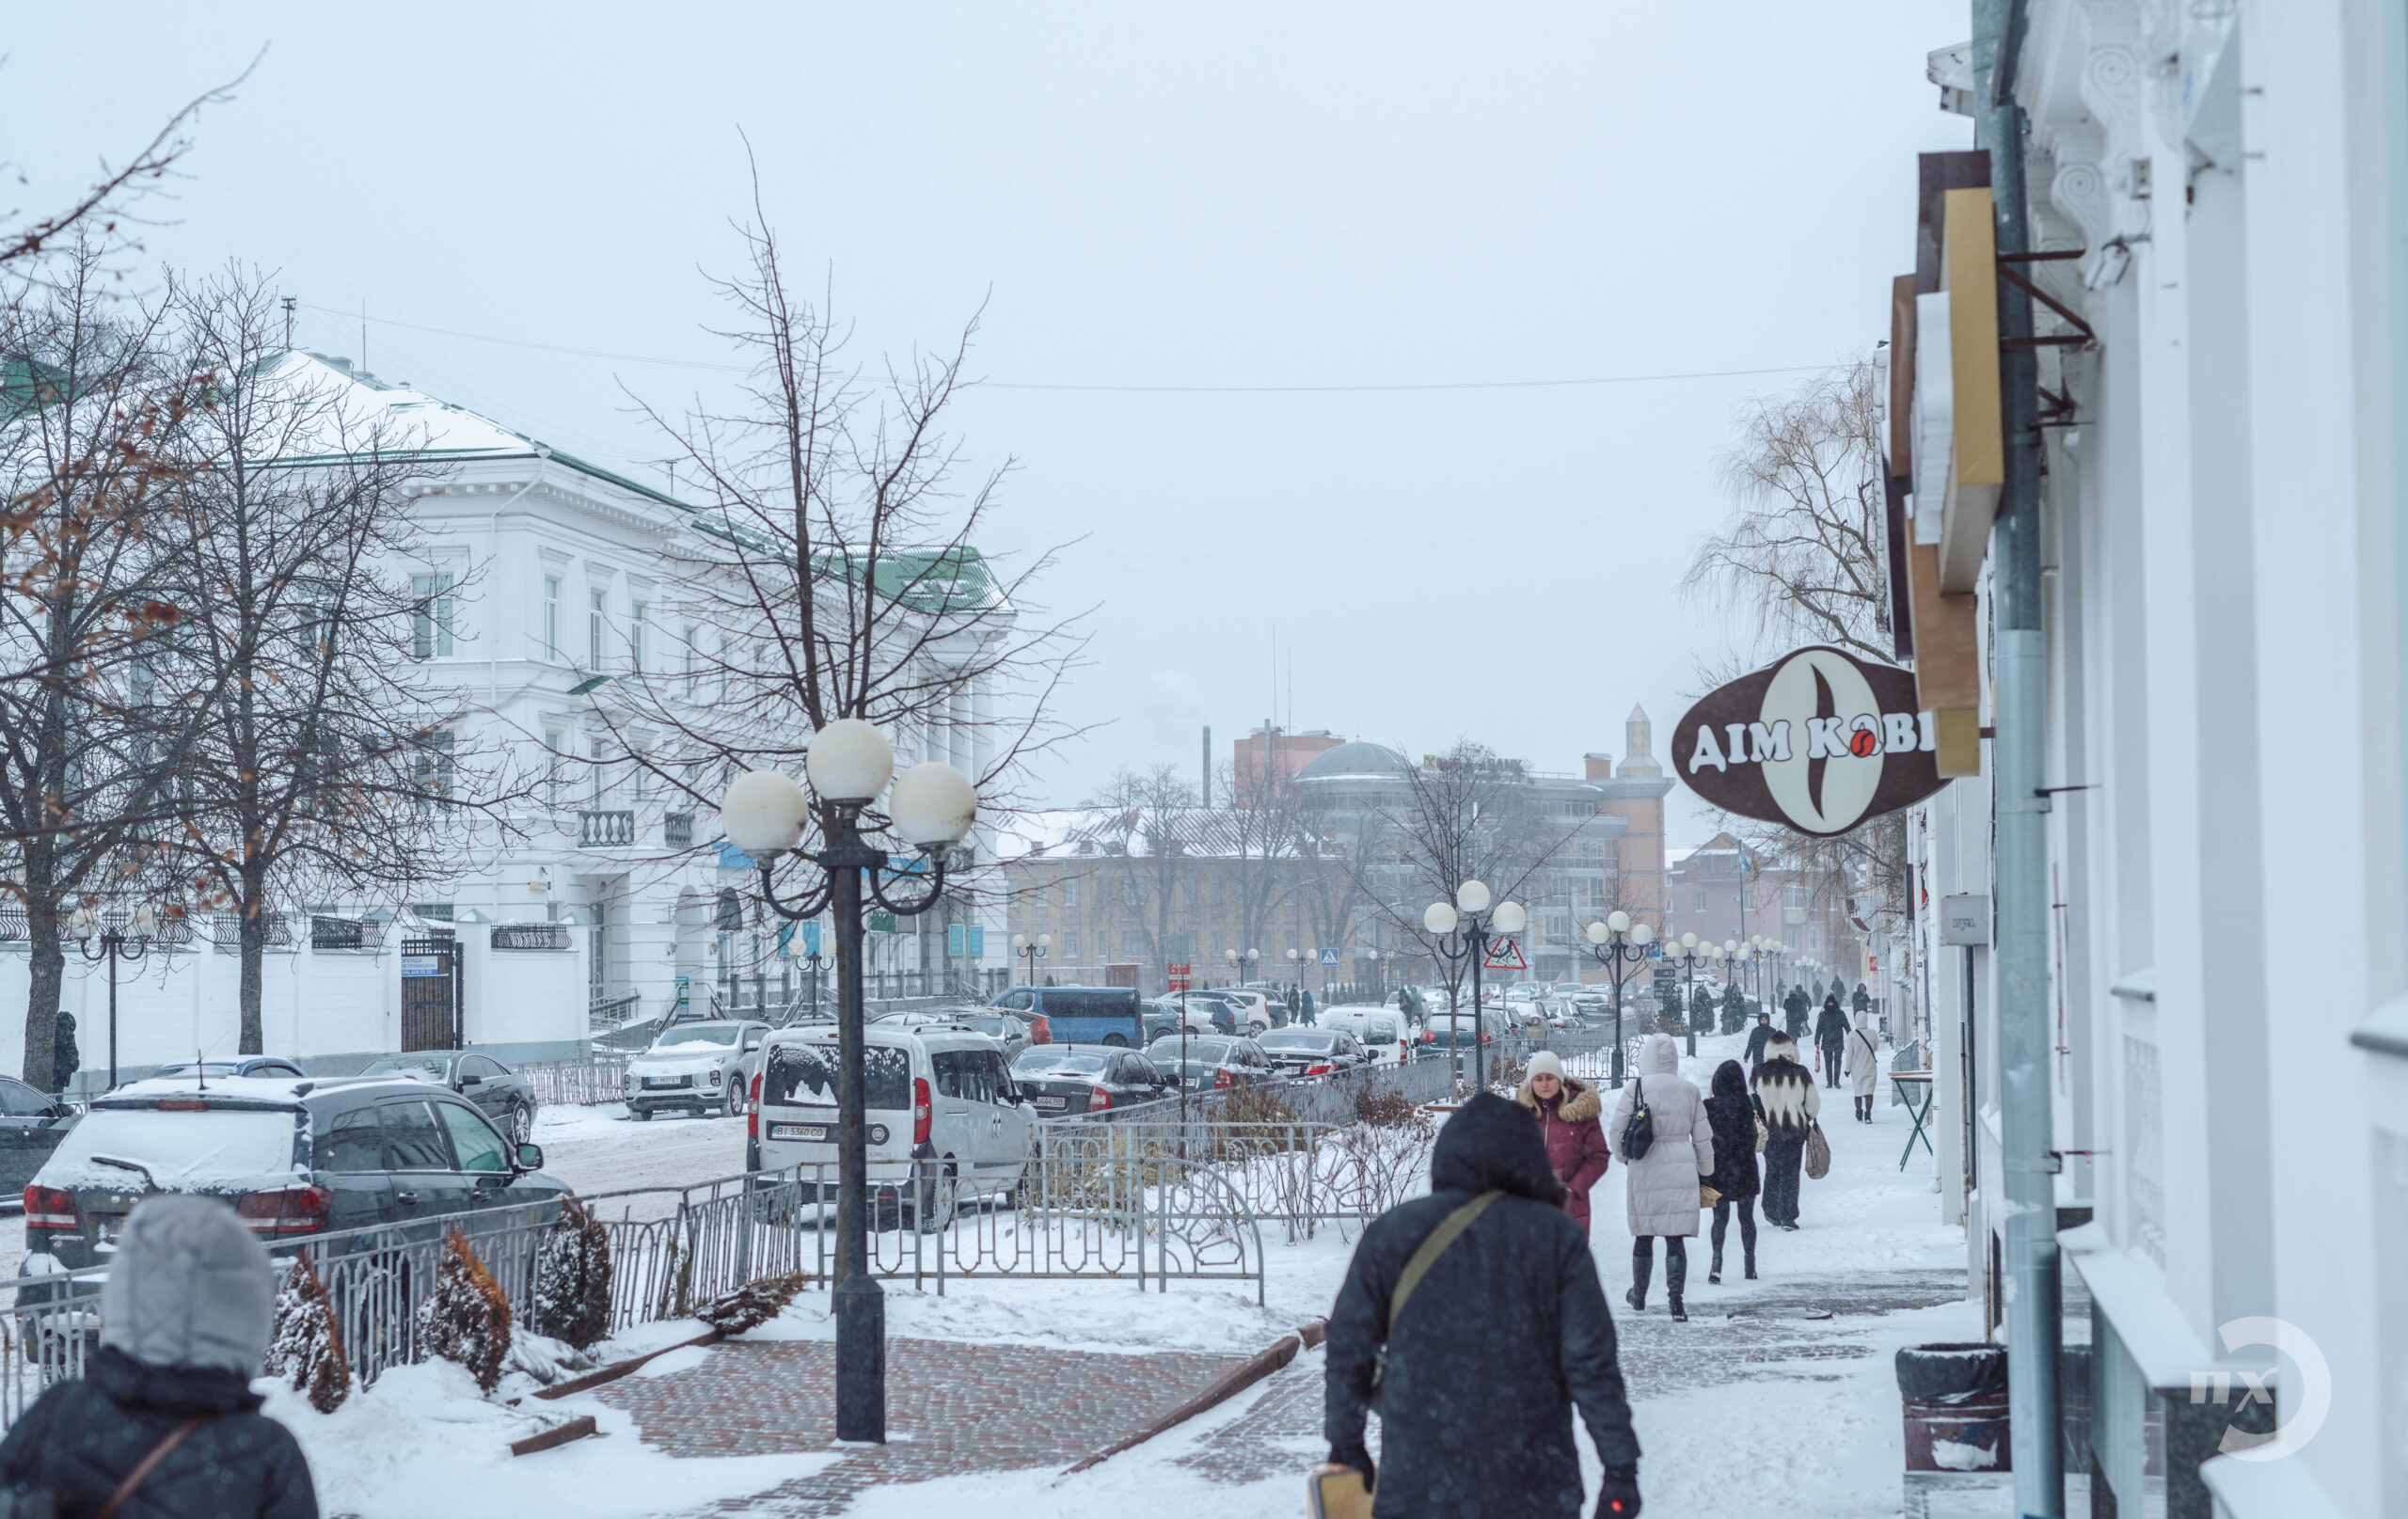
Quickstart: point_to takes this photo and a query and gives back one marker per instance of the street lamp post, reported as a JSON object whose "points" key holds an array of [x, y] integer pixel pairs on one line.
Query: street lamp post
{"points": [[930, 808], [1688, 979], [1612, 943], [1029, 950], [100, 941], [1464, 929]]}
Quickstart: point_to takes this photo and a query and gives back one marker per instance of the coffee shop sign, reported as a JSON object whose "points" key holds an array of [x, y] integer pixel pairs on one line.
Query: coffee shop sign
{"points": [[1819, 742]]}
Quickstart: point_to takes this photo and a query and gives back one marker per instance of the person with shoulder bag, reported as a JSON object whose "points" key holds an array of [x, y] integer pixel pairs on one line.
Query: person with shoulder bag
{"points": [[1666, 1145], [1475, 1317], [1786, 1094], [1567, 1110], [1863, 1063], [164, 1424], [1732, 1113]]}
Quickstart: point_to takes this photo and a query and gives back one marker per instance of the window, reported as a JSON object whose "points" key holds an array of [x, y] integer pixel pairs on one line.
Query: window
{"points": [[555, 764], [352, 1143], [1291, 942], [479, 1147], [594, 752], [552, 618], [724, 674], [692, 654], [1070, 893], [1700, 901], [1132, 944], [597, 603], [18, 1101], [1133, 891], [634, 635], [1216, 891], [433, 770], [431, 616], [1218, 947], [1071, 945], [1039, 893], [412, 1142]]}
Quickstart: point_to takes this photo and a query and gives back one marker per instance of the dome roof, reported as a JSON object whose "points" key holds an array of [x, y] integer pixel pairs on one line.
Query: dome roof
{"points": [[1356, 758]]}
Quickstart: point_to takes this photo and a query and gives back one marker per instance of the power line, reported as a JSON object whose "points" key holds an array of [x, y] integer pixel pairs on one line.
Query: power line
{"points": [[1128, 389]]}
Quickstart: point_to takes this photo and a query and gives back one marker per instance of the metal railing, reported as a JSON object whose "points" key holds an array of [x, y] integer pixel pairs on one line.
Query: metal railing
{"points": [[677, 829], [529, 935], [612, 1011], [600, 1076], [341, 933]]}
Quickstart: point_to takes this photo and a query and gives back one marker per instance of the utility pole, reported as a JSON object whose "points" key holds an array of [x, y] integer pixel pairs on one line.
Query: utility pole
{"points": [[2035, 1330]]}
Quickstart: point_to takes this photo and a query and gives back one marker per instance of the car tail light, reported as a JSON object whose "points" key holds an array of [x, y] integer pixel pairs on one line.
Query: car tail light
{"points": [[923, 1110], [1321, 1069], [752, 1112], [50, 1208], [1040, 1030], [286, 1210], [1223, 1078], [1098, 1098]]}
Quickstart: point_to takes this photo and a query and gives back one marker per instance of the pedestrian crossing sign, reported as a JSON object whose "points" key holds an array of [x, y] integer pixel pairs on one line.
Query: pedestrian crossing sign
{"points": [[1505, 954], [1329, 956]]}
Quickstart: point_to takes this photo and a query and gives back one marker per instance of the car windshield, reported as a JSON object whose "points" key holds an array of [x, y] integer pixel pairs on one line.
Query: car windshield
{"points": [[721, 1034], [220, 1149], [1296, 1039], [416, 1070]]}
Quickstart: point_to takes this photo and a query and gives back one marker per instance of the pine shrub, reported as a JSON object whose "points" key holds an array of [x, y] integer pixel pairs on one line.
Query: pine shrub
{"points": [[753, 1304], [306, 1347], [573, 1278], [466, 1319]]}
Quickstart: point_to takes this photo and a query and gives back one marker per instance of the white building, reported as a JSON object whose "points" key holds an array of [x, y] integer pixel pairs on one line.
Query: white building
{"points": [[547, 578]]}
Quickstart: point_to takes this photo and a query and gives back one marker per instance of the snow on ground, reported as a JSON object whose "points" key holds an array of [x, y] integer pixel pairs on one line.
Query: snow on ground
{"points": [[600, 1150]]}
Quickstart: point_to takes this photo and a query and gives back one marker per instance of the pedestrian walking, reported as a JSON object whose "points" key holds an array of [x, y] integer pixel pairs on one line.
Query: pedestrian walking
{"points": [[1496, 1328], [1662, 1183], [1794, 1012], [65, 1059], [1757, 1037], [1785, 1094], [164, 1424], [1861, 1002], [1567, 1110], [1830, 1038], [1733, 1114], [1309, 1007], [1863, 1063]]}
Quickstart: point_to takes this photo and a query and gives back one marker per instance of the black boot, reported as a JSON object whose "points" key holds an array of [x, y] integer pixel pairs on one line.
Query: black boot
{"points": [[1714, 1267], [1677, 1271], [1642, 1265]]}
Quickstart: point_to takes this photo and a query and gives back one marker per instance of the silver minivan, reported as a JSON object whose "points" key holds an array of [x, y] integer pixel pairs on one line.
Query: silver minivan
{"points": [[931, 1093]]}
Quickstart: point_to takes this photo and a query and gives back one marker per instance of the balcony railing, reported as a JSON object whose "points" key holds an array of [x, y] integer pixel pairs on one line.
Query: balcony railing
{"points": [[338, 933], [531, 936], [677, 829], [605, 829]]}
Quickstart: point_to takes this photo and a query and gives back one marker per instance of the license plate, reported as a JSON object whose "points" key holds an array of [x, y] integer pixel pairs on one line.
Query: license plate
{"points": [[1053, 1101], [813, 1131], [657, 1082]]}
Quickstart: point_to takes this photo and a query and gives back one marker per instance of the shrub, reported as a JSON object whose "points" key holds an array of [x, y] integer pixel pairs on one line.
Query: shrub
{"points": [[1387, 1109], [465, 1318], [753, 1304], [573, 1278], [306, 1347]]}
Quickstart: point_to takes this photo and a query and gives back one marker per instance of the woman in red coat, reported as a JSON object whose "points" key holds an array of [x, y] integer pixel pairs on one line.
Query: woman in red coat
{"points": [[1567, 1111]]}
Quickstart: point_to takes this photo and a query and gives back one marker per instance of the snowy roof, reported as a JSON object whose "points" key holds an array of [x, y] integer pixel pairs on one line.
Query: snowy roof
{"points": [[1356, 758]]}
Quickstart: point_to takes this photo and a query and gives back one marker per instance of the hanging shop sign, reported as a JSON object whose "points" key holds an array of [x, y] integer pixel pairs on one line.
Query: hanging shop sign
{"points": [[1819, 741]]}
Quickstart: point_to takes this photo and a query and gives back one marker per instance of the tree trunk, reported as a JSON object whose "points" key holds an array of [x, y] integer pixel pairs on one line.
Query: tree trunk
{"points": [[49, 970], [254, 948]]}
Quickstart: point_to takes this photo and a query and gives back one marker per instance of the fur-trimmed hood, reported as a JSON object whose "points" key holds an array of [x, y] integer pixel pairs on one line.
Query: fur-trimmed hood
{"points": [[1578, 1103]]}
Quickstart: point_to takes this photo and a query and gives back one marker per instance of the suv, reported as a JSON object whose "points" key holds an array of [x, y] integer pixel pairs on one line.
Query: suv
{"points": [[927, 1094], [1085, 1015], [1384, 1030], [700, 1068], [293, 1158]]}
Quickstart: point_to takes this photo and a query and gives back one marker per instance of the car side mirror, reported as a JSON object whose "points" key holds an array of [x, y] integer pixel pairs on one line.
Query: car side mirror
{"points": [[530, 1157], [472, 1081]]}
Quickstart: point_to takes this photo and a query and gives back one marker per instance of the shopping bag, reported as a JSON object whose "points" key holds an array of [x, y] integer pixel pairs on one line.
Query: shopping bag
{"points": [[1337, 1493]]}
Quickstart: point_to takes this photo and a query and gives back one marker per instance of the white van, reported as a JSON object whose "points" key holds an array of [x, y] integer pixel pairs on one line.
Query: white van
{"points": [[1383, 1031], [930, 1092]]}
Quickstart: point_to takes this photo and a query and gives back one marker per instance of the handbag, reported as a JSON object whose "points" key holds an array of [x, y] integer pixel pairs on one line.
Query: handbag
{"points": [[1639, 1134], [1764, 1134], [1818, 1152], [1706, 1196], [1425, 1255], [1338, 1495]]}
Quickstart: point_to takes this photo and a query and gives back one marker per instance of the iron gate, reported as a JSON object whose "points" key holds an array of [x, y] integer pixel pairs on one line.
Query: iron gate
{"points": [[430, 993]]}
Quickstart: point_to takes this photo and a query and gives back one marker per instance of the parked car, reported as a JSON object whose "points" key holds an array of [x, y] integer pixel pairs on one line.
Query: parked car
{"points": [[1209, 1064], [1082, 1014], [1313, 1052], [941, 1094], [271, 1067], [31, 1126], [1257, 1010], [1004, 1028], [1204, 1014], [293, 1159], [506, 1098], [1060, 1078], [701, 1068], [1446, 1032], [1383, 1032], [1228, 1013]]}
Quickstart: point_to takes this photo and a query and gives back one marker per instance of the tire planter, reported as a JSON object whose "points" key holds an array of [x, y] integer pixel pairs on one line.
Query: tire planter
{"points": [[1955, 1401]]}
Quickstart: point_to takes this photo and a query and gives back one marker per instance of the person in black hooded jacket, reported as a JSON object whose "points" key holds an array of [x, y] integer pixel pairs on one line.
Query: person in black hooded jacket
{"points": [[1503, 1337], [1830, 1038], [186, 1314], [1732, 1112]]}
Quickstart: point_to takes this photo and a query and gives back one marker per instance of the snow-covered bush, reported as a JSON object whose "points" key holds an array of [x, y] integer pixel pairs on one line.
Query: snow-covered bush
{"points": [[307, 1349], [753, 1304], [466, 1319], [573, 1277]]}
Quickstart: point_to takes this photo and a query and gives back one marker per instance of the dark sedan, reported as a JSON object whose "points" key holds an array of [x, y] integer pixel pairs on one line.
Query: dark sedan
{"points": [[1313, 1052], [506, 1098], [31, 1126], [1209, 1064], [1060, 1078]]}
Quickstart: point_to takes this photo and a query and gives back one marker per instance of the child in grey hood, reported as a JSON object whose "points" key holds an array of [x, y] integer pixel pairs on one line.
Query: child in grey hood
{"points": [[187, 1311]]}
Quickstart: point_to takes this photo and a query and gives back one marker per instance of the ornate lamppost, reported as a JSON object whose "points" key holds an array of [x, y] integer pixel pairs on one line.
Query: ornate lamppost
{"points": [[1613, 943], [1688, 946], [102, 941], [930, 808], [1466, 927], [1029, 952]]}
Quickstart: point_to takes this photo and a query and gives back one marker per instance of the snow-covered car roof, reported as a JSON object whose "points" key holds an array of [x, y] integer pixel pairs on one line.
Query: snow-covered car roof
{"points": [[274, 1091]]}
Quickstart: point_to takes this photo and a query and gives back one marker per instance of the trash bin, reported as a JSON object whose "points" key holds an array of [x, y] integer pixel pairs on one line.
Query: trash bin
{"points": [[1955, 1407]]}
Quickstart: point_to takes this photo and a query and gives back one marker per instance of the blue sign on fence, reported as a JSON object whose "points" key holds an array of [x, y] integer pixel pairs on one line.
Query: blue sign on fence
{"points": [[810, 938], [962, 939], [422, 965]]}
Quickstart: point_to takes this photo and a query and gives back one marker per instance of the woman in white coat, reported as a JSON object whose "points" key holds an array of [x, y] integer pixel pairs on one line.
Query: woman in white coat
{"points": [[1661, 1186], [1863, 1063]]}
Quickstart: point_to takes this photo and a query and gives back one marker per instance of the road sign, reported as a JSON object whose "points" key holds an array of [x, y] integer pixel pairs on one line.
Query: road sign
{"points": [[683, 982], [1505, 954], [954, 938], [975, 938], [810, 938], [881, 920], [1329, 956], [1179, 975]]}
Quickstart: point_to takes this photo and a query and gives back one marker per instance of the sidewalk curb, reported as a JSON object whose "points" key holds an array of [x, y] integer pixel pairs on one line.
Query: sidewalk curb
{"points": [[1236, 1380], [560, 1435]]}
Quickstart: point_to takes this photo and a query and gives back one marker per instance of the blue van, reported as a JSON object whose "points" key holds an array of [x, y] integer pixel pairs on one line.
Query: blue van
{"points": [[1089, 1015]]}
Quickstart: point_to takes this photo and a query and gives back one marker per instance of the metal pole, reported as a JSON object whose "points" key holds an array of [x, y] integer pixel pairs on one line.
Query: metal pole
{"points": [[1479, 1016], [1689, 1012], [1613, 974], [110, 945], [860, 1303], [2035, 1330]]}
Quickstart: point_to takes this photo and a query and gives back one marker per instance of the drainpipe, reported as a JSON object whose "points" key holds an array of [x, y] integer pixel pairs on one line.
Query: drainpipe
{"points": [[2035, 1330]]}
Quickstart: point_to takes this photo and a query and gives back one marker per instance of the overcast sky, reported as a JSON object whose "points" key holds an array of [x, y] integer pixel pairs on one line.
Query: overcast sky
{"points": [[1225, 196]]}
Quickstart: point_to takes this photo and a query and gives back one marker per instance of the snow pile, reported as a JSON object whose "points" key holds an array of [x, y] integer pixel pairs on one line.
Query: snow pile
{"points": [[1956, 1456], [1083, 1316], [422, 1441]]}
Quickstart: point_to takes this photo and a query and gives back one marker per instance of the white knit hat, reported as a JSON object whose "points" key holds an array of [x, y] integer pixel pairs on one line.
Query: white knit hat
{"points": [[1545, 1063]]}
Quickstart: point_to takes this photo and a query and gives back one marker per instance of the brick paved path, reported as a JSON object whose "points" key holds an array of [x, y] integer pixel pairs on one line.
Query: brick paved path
{"points": [[951, 1409]]}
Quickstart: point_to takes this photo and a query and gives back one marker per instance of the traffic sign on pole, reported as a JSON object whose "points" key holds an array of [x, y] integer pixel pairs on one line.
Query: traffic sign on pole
{"points": [[1179, 975], [1329, 956], [1504, 955]]}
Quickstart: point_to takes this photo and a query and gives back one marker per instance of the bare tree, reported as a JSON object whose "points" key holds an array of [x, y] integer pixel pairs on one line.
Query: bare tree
{"points": [[1151, 822], [323, 765]]}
